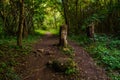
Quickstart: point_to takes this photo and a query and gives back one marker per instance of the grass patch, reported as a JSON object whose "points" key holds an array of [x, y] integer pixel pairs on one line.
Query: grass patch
{"points": [[52, 31], [105, 51], [40, 31], [11, 55]]}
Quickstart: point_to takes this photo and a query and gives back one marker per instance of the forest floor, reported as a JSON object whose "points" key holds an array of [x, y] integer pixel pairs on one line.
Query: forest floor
{"points": [[34, 67]]}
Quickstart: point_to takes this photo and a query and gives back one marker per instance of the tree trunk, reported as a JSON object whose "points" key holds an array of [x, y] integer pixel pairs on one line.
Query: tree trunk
{"points": [[55, 20], [65, 7], [21, 23], [25, 29], [63, 36]]}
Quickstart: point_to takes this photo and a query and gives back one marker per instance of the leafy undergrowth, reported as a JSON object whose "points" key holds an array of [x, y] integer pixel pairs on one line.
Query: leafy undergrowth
{"points": [[11, 55], [105, 51], [69, 51], [64, 65]]}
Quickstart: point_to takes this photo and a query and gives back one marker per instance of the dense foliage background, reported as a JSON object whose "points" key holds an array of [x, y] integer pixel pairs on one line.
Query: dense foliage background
{"points": [[19, 19]]}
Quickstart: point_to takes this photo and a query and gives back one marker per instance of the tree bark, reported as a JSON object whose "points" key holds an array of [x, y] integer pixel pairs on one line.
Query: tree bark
{"points": [[21, 23], [65, 7], [25, 29], [63, 36]]}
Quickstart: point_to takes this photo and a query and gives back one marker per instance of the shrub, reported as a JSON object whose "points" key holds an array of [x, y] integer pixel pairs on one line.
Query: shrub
{"points": [[67, 66]]}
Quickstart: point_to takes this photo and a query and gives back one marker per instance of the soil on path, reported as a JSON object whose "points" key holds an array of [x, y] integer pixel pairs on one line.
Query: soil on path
{"points": [[35, 68]]}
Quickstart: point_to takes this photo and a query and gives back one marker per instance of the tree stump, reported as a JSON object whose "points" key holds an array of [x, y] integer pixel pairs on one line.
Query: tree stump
{"points": [[90, 30], [63, 36]]}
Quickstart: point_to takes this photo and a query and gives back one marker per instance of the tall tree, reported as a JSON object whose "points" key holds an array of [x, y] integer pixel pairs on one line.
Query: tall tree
{"points": [[21, 23]]}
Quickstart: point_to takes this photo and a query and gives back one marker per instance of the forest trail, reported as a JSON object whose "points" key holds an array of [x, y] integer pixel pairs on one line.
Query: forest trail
{"points": [[35, 68]]}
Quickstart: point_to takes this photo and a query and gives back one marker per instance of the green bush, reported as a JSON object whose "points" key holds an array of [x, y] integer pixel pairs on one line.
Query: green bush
{"points": [[114, 44], [111, 62], [81, 39], [68, 66]]}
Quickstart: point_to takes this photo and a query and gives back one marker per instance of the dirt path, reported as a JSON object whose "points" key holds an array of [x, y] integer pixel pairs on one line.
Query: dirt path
{"points": [[34, 67]]}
